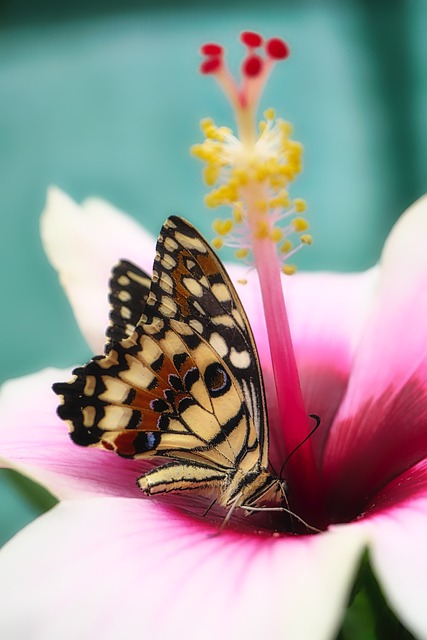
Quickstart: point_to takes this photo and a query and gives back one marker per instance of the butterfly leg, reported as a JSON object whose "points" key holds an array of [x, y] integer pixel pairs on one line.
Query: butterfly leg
{"points": [[233, 506], [179, 476], [209, 508]]}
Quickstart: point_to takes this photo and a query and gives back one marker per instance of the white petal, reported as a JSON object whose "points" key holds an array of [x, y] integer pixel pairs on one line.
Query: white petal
{"points": [[83, 243], [399, 558], [124, 568]]}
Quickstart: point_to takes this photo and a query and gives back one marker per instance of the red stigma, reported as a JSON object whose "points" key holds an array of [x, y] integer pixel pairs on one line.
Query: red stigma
{"points": [[252, 66], [251, 39], [254, 70], [277, 49], [211, 65], [211, 49]]}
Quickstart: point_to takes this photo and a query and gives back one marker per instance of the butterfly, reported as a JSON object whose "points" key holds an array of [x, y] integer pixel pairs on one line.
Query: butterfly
{"points": [[180, 379]]}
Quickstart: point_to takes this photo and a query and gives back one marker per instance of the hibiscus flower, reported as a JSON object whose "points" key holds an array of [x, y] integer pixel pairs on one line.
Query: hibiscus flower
{"points": [[106, 561]]}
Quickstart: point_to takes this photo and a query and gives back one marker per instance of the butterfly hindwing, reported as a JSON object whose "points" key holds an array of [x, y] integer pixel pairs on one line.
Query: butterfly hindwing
{"points": [[129, 289]]}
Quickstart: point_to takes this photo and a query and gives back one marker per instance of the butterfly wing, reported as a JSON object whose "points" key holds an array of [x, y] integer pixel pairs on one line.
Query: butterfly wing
{"points": [[190, 283], [129, 288], [174, 387]]}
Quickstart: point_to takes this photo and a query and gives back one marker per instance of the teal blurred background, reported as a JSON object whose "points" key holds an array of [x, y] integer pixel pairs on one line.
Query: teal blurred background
{"points": [[105, 99]]}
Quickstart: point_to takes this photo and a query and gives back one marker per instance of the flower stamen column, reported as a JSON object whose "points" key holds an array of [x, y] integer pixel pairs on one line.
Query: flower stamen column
{"points": [[251, 173]]}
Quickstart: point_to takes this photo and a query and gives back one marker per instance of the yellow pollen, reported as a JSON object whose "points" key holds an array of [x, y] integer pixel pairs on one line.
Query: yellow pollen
{"points": [[300, 224], [286, 246], [276, 234], [289, 269], [269, 114], [294, 147], [263, 230], [210, 174], [252, 176], [282, 200], [284, 127], [211, 200], [238, 212], [306, 238], [300, 205], [261, 206], [242, 281], [222, 227]]}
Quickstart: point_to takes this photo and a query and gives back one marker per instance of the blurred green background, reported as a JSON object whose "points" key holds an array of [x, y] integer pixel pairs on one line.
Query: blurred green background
{"points": [[104, 98]]}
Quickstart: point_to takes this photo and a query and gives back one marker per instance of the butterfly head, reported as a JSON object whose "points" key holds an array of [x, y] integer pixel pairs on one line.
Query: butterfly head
{"points": [[266, 491]]}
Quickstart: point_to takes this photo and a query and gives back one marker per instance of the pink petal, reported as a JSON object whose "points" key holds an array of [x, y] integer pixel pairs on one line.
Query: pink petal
{"points": [[123, 568], [34, 441], [83, 243], [409, 485], [381, 427], [399, 558], [327, 312]]}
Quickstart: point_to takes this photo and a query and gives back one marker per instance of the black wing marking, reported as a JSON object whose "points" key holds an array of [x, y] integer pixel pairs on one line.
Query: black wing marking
{"points": [[129, 288]]}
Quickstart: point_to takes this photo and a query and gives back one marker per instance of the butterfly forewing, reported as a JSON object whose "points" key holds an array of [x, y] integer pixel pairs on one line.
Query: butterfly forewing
{"points": [[180, 381], [190, 282]]}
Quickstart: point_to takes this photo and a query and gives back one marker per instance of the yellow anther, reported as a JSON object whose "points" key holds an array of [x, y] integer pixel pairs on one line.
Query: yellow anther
{"points": [[284, 127], [197, 151], [212, 200], [241, 176], [300, 205], [263, 229], [242, 281], [276, 234], [241, 253], [289, 269], [255, 178], [217, 243], [222, 227], [210, 174], [222, 133], [286, 246], [238, 212], [205, 123], [300, 224], [209, 129], [306, 238], [287, 171], [295, 147], [261, 205], [260, 173], [278, 182], [281, 200]]}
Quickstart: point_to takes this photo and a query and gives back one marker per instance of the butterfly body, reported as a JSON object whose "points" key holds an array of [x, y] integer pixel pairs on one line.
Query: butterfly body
{"points": [[180, 379]]}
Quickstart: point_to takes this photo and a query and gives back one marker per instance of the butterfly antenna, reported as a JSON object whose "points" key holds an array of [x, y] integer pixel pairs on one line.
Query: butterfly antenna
{"points": [[316, 426], [273, 469]]}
